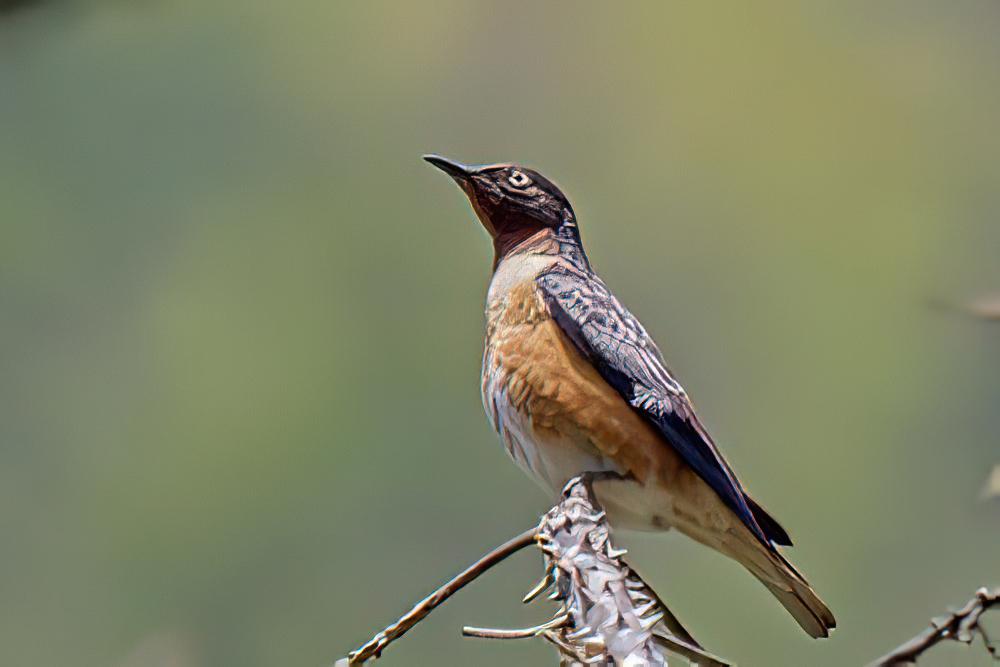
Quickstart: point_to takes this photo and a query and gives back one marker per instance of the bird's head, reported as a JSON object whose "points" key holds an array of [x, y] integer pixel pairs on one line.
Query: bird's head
{"points": [[512, 202]]}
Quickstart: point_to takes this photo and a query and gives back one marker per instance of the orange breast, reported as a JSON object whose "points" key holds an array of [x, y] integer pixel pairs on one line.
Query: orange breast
{"points": [[560, 398]]}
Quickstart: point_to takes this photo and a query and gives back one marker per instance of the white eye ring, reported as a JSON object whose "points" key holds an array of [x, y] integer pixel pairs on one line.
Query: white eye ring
{"points": [[518, 179]]}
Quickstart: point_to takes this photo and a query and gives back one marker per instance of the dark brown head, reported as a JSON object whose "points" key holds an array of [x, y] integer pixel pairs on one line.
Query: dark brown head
{"points": [[512, 202]]}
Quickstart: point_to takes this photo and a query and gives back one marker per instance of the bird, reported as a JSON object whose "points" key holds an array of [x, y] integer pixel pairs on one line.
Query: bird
{"points": [[574, 385]]}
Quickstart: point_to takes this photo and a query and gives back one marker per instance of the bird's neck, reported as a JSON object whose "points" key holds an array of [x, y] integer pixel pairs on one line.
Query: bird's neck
{"points": [[563, 241]]}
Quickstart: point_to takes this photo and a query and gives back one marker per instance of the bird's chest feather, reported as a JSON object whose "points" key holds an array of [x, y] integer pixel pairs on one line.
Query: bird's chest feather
{"points": [[557, 417], [540, 395]]}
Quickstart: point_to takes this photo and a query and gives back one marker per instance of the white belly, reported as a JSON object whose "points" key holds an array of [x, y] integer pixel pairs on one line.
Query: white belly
{"points": [[552, 463]]}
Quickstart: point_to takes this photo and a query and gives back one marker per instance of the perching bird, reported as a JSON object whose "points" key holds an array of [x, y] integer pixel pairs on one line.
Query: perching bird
{"points": [[573, 384]]}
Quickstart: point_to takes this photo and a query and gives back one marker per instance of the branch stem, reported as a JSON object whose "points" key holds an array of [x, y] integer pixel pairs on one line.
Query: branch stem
{"points": [[961, 625], [377, 644]]}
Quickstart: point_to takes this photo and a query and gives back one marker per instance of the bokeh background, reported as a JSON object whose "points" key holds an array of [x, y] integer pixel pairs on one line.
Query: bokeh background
{"points": [[241, 320]]}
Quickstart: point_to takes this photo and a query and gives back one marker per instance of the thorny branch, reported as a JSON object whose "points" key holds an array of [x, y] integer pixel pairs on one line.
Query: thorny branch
{"points": [[961, 625], [607, 614]]}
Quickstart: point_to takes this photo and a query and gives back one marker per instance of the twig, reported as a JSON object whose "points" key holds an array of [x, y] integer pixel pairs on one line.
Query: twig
{"points": [[991, 490], [961, 626], [984, 308], [559, 621], [377, 644]]}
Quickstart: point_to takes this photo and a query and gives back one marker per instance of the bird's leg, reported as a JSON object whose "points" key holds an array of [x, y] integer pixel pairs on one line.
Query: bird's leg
{"points": [[588, 479]]}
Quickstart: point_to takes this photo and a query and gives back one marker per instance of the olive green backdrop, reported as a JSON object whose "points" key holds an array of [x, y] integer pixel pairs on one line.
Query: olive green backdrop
{"points": [[240, 319]]}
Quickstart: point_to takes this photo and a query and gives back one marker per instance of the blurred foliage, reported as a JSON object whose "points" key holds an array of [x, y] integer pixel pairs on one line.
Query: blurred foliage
{"points": [[241, 320]]}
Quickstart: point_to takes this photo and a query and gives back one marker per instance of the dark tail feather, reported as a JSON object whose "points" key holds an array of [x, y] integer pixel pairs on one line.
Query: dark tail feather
{"points": [[769, 524]]}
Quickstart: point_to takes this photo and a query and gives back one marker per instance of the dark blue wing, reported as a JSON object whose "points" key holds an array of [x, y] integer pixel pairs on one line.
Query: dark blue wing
{"points": [[619, 347]]}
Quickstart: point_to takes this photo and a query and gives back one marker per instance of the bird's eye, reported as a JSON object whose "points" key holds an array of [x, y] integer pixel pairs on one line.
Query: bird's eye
{"points": [[518, 179]]}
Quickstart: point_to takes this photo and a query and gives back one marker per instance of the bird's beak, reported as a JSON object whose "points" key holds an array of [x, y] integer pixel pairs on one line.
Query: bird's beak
{"points": [[460, 172]]}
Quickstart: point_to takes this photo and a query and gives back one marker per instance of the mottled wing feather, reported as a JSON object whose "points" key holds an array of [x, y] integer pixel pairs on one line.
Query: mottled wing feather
{"points": [[616, 343]]}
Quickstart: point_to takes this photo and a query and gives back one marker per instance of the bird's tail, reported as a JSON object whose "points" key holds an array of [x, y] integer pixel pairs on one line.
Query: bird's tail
{"points": [[803, 604], [792, 590]]}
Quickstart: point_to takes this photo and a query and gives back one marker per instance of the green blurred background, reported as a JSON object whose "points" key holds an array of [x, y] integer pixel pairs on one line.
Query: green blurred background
{"points": [[241, 320]]}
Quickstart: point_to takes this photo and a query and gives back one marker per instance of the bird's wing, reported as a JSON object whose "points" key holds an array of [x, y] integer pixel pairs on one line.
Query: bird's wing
{"points": [[628, 359]]}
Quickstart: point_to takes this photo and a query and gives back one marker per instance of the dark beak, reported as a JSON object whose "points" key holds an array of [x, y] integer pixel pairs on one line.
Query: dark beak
{"points": [[457, 170]]}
